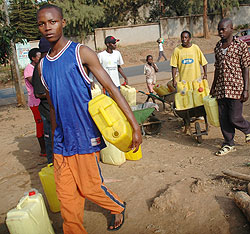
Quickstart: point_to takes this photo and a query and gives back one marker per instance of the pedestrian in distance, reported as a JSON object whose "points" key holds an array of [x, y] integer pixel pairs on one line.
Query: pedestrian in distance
{"points": [[34, 56], [40, 92], [76, 139], [231, 85], [150, 70], [111, 60], [160, 42], [187, 58]]}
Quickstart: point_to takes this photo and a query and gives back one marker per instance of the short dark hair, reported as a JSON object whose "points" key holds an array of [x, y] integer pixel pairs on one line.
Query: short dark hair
{"points": [[149, 56], [189, 33], [49, 6], [32, 53]]}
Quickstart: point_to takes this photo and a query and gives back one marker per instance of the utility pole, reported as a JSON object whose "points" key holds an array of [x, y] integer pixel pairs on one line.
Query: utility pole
{"points": [[14, 66], [205, 25]]}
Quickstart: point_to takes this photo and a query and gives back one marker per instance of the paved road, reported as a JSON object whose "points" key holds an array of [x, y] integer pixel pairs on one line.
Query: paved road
{"points": [[8, 96], [163, 67]]}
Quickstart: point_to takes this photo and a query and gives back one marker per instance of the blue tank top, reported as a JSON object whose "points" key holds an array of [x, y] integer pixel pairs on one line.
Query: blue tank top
{"points": [[69, 87]]}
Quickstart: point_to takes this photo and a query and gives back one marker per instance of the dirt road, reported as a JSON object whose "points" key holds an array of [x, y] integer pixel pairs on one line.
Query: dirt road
{"points": [[176, 188]]}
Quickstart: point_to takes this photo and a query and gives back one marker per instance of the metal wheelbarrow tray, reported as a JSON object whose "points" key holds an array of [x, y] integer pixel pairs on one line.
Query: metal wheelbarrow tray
{"points": [[149, 124]]}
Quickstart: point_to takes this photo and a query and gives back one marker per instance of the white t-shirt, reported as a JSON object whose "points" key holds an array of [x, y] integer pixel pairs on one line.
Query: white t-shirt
{"points": [[160, 47], [110, 63]]}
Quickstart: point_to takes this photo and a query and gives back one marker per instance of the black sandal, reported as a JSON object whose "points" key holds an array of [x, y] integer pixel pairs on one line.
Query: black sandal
{"points": [[112, 222]]}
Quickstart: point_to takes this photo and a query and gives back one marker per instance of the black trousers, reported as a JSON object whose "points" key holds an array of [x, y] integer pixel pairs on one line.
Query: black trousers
{"points": [[230, 116]]}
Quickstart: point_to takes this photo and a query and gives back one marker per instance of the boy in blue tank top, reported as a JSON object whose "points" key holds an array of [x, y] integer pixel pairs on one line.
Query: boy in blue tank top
{"points": [[76, 139]]}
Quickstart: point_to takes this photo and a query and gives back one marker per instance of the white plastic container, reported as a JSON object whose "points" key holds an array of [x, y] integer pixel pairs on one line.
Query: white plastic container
{"points": [[30, 216], [129, 94], [112, 155], [96, 91]]}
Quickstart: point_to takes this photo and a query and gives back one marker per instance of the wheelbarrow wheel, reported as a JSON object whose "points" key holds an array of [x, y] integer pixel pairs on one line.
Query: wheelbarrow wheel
{"points": [[153, 128], [198, 132]]}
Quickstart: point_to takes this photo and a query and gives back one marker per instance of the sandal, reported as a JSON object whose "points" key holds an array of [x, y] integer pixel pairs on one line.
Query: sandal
{"points": [[225, 150], [43, 155], [247, 138], [112, 222]]}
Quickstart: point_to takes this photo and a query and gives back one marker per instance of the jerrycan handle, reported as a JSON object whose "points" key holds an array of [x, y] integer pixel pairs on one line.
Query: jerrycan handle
{"points": [[105, 116], [20, 204], [29, 194]]}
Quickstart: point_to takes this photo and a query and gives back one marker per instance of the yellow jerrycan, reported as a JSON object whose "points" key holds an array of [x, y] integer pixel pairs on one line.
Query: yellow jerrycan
{"points": [[134, 156], [212, 111], [201, 89], [111, 122], [30, 216], [47, 178], [184, 100], [96, 91], [129, 93], [161, 90], [112, 155], [183, 85]]}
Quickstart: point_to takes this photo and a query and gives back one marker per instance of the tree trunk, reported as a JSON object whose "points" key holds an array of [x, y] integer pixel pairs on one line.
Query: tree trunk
{"points": [[242, 200], [14, 66], [205, 25], [236, 175]]}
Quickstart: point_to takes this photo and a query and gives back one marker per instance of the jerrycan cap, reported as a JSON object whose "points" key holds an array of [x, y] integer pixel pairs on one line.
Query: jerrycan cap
{"points": [[115, 134], [32, 193]]}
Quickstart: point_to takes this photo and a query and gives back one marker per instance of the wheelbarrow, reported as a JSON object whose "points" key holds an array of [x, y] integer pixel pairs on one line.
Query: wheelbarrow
{"points": [[168, 98], [144, 115], [187, 115]]}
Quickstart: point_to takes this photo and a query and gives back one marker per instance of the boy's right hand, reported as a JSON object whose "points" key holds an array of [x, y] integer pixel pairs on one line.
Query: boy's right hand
{"points": [[137, 140]]}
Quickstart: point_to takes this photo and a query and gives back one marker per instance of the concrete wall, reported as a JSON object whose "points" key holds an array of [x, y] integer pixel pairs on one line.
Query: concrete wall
{"points": [[240, 16], [169, 27], [173, 26], [89, 41], [128, 35]]}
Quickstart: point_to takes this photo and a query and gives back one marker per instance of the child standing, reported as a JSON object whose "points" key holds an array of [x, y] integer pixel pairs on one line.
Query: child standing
{"points": [[150, 70], [160, 42], [34, 56]]}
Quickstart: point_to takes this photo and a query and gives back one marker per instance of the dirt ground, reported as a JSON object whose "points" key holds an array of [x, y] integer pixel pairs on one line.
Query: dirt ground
{"points": [[176, 188]]}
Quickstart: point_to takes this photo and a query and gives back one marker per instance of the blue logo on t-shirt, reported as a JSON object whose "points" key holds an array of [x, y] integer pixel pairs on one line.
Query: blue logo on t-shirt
{"points": [[187, 61]]}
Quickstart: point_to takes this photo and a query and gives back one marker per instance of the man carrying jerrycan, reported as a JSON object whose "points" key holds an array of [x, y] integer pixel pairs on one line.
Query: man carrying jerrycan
{"points": [[77, 141], [231, 85]]}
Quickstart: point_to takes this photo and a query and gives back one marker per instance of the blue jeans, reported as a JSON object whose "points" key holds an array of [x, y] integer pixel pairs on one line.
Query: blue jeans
{"points": [[47, 138]]}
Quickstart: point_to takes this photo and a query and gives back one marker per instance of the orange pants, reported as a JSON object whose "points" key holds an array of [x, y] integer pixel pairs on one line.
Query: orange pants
{"points": [[78, 177]]}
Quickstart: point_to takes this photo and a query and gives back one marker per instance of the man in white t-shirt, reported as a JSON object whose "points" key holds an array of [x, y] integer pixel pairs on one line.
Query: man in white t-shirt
{"points": [[111, 60]]}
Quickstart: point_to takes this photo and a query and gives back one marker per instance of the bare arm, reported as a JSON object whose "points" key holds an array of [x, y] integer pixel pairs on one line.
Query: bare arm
{"points": [[205, 71], [245, 74], [155, 67], [90, 59], [29, 79], [174, 70], [123, 74], [52, 112]]}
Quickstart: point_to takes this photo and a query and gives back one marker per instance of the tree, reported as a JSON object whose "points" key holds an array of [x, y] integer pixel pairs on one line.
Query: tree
{"points": [[184, 7], [23, 18], [224, 6], [81, 15], [205, 25], [10, 53]]}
